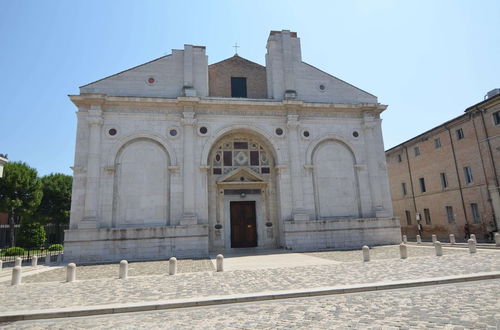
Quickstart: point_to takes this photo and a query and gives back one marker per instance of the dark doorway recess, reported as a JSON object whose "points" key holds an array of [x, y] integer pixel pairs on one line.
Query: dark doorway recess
{"points": [[243, 224]]}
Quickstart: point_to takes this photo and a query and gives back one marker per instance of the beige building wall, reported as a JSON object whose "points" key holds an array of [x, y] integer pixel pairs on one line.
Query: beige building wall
{"points": [[477, 148]]}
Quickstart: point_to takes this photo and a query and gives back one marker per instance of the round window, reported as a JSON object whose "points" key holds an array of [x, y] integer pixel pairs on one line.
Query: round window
{"points": [[203, 130], [151, 80], [279, 131], [305, 134], [112, 131], [322, 87], [173, 132], [355, 134]]}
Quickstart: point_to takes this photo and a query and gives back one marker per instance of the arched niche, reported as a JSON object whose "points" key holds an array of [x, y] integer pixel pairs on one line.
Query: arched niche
{"points": [[335, 180], [141, 184]]}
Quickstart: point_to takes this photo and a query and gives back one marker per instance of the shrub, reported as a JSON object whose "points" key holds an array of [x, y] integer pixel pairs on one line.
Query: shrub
{"points": [[55, 247], [31, 235], [13, 251]]}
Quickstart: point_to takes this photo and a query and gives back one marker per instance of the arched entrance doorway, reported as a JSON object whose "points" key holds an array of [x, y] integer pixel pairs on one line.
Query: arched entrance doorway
{"points": [[242, 193]]}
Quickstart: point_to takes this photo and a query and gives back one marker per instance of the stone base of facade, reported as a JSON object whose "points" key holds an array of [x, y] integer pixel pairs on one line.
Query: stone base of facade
{"points": [[341, 233], [135, 244]]}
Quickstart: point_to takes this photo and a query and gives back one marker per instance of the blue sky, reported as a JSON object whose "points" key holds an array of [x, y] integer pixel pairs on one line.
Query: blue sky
{"points": [[428, 60]]}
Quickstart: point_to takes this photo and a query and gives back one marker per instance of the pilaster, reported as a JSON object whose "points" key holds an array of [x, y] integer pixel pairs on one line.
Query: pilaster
{"points": [[188, 122], [298, 210], [95, 121]]}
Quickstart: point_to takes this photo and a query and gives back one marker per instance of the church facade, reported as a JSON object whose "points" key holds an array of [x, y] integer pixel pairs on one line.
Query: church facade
{"points": [[176, 157]]}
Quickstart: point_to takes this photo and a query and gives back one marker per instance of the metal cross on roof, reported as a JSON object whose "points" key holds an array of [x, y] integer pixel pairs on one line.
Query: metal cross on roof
{"points": [[236, 48]]}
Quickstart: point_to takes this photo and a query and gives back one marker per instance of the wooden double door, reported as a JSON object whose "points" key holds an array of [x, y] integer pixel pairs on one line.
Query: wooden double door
{"points": [[243, 224]]}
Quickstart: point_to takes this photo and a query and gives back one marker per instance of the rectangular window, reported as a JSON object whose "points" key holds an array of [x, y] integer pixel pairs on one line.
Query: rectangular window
{"points": [[238, 87], [422, 184], [228, 158], [403, 187], [399, 158], [437, 143], [417, 151], [475, 213], [427, 215], [460, 134], [496, 117], [450, 215], [444, 180], [408, 217], [254, 158], [468, 174]]}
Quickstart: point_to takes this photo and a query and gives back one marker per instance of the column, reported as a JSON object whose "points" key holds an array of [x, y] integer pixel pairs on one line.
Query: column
{"points": [[188, 175], [95, 121], [298, 211]]}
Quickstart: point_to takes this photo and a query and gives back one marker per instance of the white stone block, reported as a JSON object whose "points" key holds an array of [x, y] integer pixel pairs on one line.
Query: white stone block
{"points": [[366, 253], [71, 272], [16, 275]]}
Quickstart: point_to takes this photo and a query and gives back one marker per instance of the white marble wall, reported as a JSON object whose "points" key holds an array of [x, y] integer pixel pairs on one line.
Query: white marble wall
{"points": [[301, 195]]}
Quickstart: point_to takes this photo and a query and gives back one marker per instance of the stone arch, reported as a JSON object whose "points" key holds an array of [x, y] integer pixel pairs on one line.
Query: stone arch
{"points": [[265, 137], [120, 143], [335, 137], [141, 184], [336, 184]]}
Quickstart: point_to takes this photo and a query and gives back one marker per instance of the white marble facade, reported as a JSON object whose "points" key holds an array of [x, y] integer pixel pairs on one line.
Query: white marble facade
{"points": [[159, 161]]}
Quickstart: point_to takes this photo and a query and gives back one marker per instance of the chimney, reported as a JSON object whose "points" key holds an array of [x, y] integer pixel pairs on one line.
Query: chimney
{"points": [[283, 55]]}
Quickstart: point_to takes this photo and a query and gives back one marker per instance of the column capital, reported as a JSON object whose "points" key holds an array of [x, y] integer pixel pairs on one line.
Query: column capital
{"points": [[188, 119], [292, 121]]}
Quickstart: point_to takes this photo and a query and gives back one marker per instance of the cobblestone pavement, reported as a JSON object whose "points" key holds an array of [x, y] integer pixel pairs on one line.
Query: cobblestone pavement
{"points": [[474, 305], [134, 269], [202, 265], [202, 284]]}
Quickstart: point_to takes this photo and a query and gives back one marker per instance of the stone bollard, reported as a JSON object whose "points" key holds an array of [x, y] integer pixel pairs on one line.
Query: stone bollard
{"points": [[434, 238], [59, 258], [439, 248], [419, 239], [405, 239], [472, 236], [497, 240], [123, 269], [1, 265], [403, 251], [47, 260], [18, 262], [34, 261], [366, 253], [452, 239], [220, 263], [71, 272], [172, 266], [472, 245], [16, 275]]}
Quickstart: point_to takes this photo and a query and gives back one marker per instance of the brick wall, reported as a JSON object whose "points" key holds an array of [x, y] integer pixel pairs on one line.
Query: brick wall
{"points": [[219, 77], [450, 158]]}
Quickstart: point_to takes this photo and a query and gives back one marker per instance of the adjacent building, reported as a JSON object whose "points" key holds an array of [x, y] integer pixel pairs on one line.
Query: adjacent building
{"points": [[176, 157], [448, 176]]}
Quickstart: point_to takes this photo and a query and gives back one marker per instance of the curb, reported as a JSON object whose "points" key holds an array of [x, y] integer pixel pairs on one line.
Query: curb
{"points": [[233, 299]]}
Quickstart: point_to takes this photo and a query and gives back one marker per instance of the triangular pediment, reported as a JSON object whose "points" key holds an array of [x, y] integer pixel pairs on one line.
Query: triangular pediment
{"points": [[241, 175]]}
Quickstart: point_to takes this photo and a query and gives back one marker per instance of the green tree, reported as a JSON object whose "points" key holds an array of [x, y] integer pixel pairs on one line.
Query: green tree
{"points": [[20, 193], [31, 235], [56, 201]]}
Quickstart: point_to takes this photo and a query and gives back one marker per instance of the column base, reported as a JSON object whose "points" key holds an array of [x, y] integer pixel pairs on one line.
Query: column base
{"points": [[189, 219], [88, 223]]}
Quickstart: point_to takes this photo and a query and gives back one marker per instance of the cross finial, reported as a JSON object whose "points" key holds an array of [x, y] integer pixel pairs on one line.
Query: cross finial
{"points": [[236, 48]]}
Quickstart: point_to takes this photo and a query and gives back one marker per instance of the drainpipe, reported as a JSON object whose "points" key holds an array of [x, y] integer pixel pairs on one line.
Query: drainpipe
{"points": [[481, 111]]}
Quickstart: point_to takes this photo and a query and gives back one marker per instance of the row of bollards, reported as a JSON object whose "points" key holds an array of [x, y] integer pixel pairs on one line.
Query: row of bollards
{"points": [[403, 250], [453, 240], [122, 274]]}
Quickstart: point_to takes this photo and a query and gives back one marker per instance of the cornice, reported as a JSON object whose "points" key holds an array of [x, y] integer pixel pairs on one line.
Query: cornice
{"points": [[87, 100]]}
